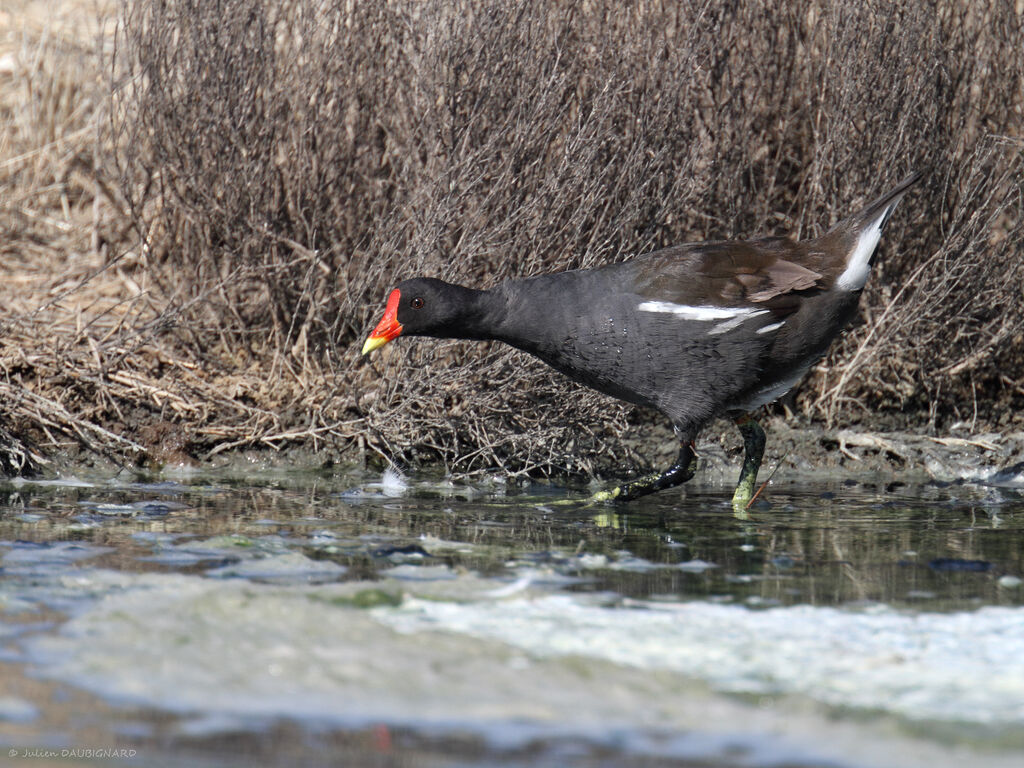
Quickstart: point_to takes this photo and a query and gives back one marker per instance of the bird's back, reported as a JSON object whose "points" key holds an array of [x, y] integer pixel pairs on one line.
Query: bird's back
{"points": [[699, 329], [670, 348]]}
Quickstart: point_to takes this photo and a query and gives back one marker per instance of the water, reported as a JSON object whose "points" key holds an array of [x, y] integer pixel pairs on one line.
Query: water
{"points": [[260, 617]]}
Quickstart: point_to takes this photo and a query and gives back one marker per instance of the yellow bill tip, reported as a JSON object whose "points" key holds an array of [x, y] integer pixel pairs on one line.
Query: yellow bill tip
{"points": [[372, 343]]}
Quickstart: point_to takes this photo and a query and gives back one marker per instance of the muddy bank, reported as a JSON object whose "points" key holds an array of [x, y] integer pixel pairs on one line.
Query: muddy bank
{"points": [[802, 451], [795, 454]]}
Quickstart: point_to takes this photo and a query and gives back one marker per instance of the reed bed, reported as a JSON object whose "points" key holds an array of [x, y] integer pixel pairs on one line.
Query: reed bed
{"points": [[203, 206]]}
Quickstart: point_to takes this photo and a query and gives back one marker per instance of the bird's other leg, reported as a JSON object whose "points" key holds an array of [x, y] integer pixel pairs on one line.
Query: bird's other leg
{"points": [[753, 451], [684, 468]]}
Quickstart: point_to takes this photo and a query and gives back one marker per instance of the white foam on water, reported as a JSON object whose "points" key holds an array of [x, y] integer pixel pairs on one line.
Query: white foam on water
{"points": [[960, 667], [57, 482], [642, 678], [285, 568]]}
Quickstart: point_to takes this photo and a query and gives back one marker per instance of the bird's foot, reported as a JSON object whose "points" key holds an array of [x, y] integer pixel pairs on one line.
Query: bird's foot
{"points": [[610, 495], [634, 489], [684, 468], [753, 451], [744, 493]]}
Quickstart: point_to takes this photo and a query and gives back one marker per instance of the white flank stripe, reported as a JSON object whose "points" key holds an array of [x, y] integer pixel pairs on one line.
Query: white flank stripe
{"points": [[772, 327], [728, 325], [698, 313], [859, 265]]}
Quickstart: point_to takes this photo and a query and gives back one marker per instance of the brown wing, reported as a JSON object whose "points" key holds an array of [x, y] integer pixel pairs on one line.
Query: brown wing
{"points": [[771, 272]]}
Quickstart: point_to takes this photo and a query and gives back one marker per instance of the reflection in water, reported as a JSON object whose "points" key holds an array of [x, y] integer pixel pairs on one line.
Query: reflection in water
{"points": [[118, 557], [935, 550]]}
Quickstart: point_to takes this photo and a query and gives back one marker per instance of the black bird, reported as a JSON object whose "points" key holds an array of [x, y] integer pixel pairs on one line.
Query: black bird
{"points": [[694, 331]]}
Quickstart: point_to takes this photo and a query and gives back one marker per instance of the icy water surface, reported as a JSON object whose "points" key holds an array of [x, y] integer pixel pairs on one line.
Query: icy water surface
{"points": [[297, 619]]}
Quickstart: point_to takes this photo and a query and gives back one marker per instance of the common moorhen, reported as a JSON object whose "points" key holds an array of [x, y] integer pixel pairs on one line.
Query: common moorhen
{"points": [[695, 330]]}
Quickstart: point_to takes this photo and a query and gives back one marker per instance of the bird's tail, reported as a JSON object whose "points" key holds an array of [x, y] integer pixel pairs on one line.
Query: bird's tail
{"points": [[863, 230], [880, 209]]}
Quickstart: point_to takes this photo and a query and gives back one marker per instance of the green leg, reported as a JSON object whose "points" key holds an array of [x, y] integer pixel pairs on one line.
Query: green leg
{"points": [[678, 473], [753, 450]]}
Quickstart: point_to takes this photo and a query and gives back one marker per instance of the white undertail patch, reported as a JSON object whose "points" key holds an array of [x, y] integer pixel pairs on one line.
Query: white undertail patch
{"points": [[859, 265]]}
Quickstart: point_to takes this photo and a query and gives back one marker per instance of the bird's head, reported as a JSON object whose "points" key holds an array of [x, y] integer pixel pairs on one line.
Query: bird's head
{"points": [[423, 306]]}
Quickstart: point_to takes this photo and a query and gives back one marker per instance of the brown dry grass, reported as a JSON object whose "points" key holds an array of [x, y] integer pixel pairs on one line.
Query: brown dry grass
{"points": [[201, 221]]}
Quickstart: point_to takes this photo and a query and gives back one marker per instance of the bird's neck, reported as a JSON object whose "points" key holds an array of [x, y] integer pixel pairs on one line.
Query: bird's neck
{"points": [[481, 315], [530, 314], [519, 312]]}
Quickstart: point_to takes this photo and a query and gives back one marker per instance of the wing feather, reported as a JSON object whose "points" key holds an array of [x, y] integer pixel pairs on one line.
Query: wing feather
{"points": [[770, 272]]}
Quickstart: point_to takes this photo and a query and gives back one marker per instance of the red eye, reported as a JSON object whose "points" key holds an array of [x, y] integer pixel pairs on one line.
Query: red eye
{"points": [[416, 303]]}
